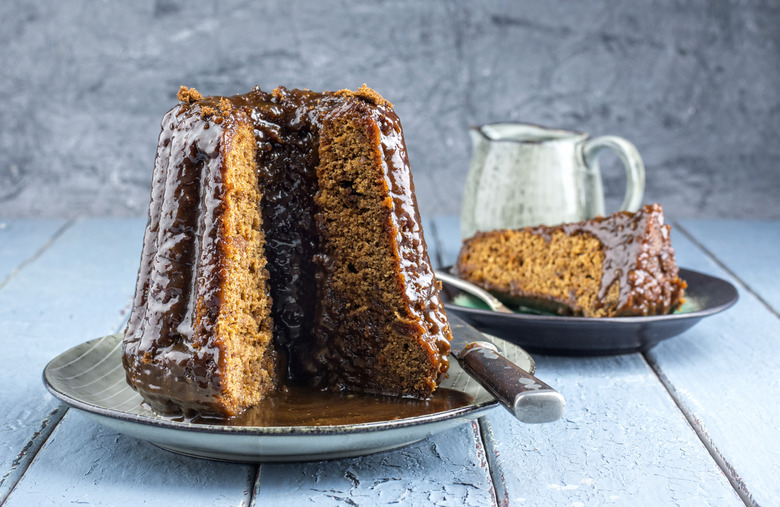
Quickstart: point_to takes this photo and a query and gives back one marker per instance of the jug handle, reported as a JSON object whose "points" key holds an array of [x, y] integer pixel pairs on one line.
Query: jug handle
{"points": [[635, 168]]}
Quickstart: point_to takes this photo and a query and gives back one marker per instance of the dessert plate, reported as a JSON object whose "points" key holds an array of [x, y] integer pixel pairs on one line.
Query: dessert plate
{"points": [[579, 336], [90, 378]]}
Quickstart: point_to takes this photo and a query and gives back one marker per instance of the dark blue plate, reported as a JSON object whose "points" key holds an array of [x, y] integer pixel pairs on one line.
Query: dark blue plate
{"points": [[580, 336]]}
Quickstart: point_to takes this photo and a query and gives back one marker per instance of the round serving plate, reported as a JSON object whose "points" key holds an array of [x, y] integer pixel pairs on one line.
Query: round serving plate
{"points": [[90, 378]]}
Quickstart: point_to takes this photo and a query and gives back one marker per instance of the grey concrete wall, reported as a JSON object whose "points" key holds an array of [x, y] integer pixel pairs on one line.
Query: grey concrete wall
{"points": [[695, 85]]}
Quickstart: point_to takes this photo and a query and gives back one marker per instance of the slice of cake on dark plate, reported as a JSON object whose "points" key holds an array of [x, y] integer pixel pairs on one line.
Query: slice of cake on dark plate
{"points": [[619, 265]]}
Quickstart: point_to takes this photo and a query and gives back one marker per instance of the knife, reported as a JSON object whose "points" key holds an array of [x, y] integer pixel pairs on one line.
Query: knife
{"points": [[526, 397]]}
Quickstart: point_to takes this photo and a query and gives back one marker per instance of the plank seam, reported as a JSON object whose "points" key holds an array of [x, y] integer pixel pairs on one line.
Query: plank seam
{"points": [[736, 277], [496, 477], [255, 492], [698, 427], [37, 254], [30, 450]]}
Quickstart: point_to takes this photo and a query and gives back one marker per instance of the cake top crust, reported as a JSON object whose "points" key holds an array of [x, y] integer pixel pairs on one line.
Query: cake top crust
{"points": [[296, 108], [188, 95], [367, 94]]}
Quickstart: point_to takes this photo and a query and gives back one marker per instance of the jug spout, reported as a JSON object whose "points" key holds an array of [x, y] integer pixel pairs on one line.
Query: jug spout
{"points": [[478, 138]]}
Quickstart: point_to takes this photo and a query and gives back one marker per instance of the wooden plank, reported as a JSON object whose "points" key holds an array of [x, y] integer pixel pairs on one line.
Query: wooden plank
{"points": [[724, 371], [78, 288], [446, 469], [84, 462], [622, 440], [20, 240], [748, 248]]}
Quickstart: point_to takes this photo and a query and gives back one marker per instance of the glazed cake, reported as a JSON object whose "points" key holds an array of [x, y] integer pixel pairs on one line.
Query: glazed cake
{"points": [[283, 246], [620, 265]]}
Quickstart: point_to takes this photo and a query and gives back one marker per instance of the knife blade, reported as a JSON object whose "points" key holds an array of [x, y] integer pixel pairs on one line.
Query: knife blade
{"points": [[526, 397]]}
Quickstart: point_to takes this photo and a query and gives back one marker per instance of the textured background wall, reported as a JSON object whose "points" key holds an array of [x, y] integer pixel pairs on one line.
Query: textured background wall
{"points": [[695, 85]]}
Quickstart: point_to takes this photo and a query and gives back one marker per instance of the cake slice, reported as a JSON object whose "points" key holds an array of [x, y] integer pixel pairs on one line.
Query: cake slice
{"points": [[199, 335], [619, 265]]}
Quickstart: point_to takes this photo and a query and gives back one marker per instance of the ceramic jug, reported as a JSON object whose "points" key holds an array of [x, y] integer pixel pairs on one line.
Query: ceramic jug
{"points": [[524, 175]]}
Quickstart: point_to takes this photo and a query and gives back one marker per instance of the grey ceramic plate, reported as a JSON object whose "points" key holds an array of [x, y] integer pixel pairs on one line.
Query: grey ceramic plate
{"points": [[90, 377]]}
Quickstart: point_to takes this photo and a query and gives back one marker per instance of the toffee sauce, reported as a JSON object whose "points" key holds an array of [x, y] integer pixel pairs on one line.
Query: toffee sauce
{"points": [[640, 240], [305, 406]]}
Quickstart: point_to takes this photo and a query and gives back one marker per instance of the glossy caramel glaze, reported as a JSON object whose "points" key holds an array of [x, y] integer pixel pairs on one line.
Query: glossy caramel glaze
{"points": [[170, 352], [639, 258], [166, 338]]}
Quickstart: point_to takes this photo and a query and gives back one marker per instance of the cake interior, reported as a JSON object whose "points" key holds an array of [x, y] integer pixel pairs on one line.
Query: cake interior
{"points": [[364, 328], [243, 324], [559, 273]]}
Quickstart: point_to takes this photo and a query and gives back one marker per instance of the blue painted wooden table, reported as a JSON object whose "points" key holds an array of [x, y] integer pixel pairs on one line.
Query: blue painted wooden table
{"points": [[695, 421]]}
